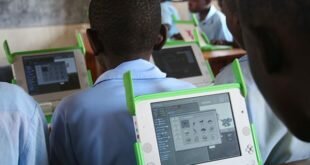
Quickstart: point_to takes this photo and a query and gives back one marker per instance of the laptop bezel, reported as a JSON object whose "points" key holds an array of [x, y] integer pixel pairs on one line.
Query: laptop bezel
{"points": [[144, 123], [20, 76], [205, 78]]}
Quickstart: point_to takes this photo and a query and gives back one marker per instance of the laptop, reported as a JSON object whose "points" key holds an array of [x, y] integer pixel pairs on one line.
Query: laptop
{"points": [[51, 76], [208, 126], [185, 62], [186, 31], [191, 33]]}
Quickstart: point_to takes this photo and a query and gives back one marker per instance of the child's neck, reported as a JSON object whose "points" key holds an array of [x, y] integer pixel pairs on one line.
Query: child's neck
{"points": [[204, 13], [113, 61]]}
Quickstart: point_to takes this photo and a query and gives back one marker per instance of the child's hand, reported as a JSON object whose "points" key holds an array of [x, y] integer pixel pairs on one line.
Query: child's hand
{"points": [[177, 37]]}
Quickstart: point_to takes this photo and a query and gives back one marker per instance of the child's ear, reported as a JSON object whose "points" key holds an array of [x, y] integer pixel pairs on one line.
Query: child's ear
{"points": [[94, 41], [161, 39]]}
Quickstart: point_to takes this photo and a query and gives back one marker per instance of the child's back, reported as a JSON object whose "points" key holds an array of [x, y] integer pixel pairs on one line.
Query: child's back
{"points": [[23, 131], [93, 126], [101, 131]]}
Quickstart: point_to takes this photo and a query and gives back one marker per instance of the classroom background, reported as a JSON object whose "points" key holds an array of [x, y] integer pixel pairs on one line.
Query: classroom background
{"points": [[59, 31]]}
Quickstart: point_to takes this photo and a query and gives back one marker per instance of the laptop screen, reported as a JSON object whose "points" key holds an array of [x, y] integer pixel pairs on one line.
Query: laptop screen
{"points": [[195, 130], [177, 62], [51, 73]]}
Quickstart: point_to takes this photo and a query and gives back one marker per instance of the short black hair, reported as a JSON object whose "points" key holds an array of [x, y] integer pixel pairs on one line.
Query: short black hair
{"points": [[292, 13], [126, 27]]}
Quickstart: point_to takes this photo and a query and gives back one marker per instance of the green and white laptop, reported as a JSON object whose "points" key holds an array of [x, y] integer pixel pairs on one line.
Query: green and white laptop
{"points": [[185, 62], [191, 32], [50, 75], [208, 125]]}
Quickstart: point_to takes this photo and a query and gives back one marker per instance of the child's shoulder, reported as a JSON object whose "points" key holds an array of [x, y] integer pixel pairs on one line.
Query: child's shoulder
{"points": [[175, 84], [10, 92]]}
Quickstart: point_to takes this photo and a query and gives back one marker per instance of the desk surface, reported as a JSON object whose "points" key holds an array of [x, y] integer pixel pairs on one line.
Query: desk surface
{"points": [[233, 53], [220, 58]]}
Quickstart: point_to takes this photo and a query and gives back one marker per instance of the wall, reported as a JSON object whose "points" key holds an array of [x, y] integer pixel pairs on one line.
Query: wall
{"points": [[22, 39], [33, 13], [182, 8], [40, 24]]}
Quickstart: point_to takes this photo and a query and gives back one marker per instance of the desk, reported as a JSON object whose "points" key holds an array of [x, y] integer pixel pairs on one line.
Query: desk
{"points": [[221, 58]]}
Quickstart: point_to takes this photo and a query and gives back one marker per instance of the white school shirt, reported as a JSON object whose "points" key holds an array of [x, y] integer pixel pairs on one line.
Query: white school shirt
{"points": [[168, 11], [214, 25], [23, 128]]}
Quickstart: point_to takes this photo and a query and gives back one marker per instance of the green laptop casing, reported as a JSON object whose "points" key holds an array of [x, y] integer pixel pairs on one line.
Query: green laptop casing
{"points": [[208, 47], [182, 43], [132, 100], [12, 55]]}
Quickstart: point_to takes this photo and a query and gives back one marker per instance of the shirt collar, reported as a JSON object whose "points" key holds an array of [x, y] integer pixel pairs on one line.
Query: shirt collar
{"points": [[141, 69], [212, 12]]}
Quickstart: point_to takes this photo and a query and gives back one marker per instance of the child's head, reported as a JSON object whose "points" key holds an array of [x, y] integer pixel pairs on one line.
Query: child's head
{"points": [[277, 37], [125, 30], [196, 6]]}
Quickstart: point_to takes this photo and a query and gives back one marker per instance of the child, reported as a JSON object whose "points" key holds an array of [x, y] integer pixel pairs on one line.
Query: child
{"points": [[93, 126], [212, 21], [168, 12], [276, 143], [23, 129], [279, 58]]}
